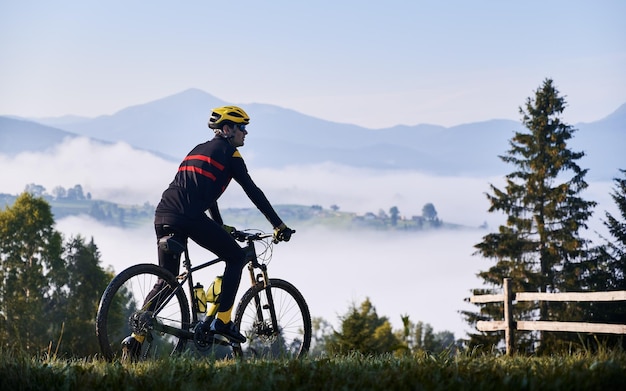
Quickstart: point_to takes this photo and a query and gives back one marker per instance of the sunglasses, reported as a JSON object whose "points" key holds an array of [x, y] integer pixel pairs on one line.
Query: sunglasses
{"points": [[241, 127]]}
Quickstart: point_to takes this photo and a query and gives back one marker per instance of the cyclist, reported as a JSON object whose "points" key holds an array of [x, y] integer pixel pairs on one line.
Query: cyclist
{"points": [[201, 179]]}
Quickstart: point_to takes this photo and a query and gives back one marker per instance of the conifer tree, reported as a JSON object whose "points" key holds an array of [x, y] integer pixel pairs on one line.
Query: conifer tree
{"points": [[607, 271], [615, 249], [539, 247], [74, 302], [362, 330]]}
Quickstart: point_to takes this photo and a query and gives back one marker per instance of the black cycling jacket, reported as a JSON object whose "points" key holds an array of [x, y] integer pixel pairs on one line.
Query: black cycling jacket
{"points": [[201, 179]]}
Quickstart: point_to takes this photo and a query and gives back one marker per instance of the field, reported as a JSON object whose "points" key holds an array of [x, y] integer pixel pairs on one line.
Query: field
{"points": [[581, 371]]}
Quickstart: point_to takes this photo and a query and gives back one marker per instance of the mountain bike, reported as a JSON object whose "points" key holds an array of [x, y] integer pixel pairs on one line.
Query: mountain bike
{"points": [[272, 314]]}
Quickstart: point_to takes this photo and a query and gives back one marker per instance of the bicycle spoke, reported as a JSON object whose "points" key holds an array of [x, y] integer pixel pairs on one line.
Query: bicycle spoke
{"points": [[289, 337], [122, 311]]}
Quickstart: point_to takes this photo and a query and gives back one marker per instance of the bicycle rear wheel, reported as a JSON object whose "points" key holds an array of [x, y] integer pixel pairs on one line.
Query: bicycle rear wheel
{"points": [[164, 321], [288, 336]]}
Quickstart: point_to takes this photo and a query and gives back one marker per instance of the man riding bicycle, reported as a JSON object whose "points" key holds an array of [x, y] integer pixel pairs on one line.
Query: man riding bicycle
{"points": [[201, 179]]}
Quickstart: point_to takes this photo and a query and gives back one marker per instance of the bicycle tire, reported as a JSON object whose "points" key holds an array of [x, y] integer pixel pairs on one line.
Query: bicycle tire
{"points": [[121, 299], [293, 337]]}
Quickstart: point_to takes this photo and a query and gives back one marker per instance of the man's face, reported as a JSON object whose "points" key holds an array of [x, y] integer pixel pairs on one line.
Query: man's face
{"points": [[237, 132]]}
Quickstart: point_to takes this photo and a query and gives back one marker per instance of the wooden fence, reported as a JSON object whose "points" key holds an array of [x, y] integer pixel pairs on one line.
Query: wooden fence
{"points": [[509, 325]]}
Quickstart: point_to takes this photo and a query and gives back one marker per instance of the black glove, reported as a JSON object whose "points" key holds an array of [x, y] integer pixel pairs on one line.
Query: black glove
{"points": [[282, 233], [229, 229]]}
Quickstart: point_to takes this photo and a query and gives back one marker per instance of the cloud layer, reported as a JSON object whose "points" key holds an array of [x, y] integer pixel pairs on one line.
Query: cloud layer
{"points": [[424, 275]]}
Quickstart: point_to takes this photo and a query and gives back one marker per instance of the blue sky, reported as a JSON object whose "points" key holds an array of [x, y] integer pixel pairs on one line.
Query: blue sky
{"points": [[375, 64]]}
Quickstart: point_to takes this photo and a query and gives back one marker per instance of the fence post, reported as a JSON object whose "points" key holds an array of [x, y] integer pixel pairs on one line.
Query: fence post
{"points": [[509, 324]]}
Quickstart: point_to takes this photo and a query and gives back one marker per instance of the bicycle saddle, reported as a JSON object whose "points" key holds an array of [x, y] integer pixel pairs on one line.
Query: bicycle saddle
{"points": [[171, 244]]}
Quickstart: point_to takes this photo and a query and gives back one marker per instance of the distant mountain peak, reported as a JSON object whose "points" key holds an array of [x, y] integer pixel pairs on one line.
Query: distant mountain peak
{"points": [[617, 115], [192, 92], [172, 125]]}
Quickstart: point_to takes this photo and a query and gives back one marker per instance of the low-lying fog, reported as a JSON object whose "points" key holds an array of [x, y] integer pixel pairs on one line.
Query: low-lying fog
{"points": [[423, 274]]}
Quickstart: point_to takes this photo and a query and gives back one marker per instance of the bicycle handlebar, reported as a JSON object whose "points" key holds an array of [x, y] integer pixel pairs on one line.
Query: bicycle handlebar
{"points": [[243, 236]]}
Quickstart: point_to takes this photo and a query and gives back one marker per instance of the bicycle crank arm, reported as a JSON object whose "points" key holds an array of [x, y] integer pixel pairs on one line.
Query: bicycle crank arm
{"points": [[175, 331]]}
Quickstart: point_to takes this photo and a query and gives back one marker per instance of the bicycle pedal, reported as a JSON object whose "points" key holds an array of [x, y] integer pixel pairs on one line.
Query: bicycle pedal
{"points": [[224, 341], [221, 339]]}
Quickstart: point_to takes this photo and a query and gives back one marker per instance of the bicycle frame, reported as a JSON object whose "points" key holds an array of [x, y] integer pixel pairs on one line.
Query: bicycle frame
{"points": [[187, 277]]}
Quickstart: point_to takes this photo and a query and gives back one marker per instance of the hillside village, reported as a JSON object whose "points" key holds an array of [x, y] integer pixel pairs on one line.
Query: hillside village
{"points": [[73, 202]]}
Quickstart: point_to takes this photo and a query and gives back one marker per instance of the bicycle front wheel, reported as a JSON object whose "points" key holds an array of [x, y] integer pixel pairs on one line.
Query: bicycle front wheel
{"points": [[162, 321], [275, 320]]}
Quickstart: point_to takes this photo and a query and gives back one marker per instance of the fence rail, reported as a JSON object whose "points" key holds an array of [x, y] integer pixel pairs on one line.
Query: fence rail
{"points": [[509, 325]]}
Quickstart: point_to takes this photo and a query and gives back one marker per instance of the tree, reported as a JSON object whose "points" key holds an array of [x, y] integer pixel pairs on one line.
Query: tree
{"points": [[35, 190], [362, 330], [539, 247], [322, 331], [75, 299], [616, 250], [30, 257], [607, 271], [394, 213], [76, 193], [49, 292], [420, 337], [59, 192], [429, 212]]}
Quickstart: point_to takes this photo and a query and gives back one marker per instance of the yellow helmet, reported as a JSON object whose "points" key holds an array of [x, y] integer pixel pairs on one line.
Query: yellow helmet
{"points": [[227, 114]]}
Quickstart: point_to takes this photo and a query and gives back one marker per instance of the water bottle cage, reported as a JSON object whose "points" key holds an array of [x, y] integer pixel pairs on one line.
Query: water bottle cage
{"points": [[214, 291], [199, 299]]}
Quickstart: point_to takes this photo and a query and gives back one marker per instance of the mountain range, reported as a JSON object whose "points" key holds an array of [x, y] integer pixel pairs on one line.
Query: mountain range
{"points": [[278, 137]]}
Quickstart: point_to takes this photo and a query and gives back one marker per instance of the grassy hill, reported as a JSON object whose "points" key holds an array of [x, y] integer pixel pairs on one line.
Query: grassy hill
{"points": [[126, 216], [422, 371]]}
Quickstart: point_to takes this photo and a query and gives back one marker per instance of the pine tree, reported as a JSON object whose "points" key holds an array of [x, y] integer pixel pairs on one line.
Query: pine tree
{"points": [[616, 249], [74, 302], [362, 330], [607, 271], [539, 247]]}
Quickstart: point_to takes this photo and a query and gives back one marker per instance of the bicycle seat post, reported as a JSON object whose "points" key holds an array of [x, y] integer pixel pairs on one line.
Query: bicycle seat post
{"points": [[186, 260]]}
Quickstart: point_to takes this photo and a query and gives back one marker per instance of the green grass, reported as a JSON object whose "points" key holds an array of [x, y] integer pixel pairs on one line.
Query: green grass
{"points": [[583, 371]]}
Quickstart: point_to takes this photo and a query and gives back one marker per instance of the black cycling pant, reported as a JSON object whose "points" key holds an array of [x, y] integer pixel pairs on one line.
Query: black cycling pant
{"points": [[211, 236]]}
